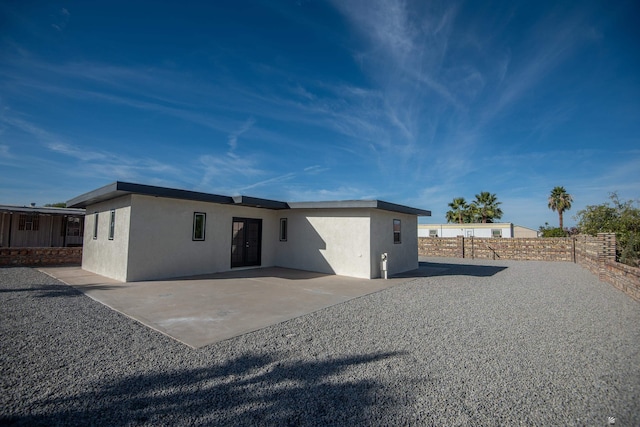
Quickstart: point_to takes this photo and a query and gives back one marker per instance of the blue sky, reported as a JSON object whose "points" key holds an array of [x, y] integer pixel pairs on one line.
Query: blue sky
{"points": [[409, 102]]}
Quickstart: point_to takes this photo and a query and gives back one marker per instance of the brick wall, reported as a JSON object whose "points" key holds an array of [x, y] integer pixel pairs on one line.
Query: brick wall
{"points": [[623, 277], [587, 250], [23, 257], [597, 254], [441, 247], [521, 249]]}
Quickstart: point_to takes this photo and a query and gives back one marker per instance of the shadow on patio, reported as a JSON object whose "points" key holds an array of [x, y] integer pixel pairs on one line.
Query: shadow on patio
{"points": [[431, 269]]}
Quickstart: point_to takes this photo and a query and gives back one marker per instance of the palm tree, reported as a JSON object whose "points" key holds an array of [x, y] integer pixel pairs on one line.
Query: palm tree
{"points": [[560, 201], [459, 209], [486, 207]]}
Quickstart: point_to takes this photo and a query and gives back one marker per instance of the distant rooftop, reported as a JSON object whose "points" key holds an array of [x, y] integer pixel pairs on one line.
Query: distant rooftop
{"points": [[42, 210]]}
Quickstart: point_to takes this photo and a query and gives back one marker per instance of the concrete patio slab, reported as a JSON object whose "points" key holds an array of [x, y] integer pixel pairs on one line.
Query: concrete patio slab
{"points": [[202, 310]]}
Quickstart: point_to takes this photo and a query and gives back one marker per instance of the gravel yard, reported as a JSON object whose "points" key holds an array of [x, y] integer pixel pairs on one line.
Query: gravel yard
{"points": [[475, 343]]}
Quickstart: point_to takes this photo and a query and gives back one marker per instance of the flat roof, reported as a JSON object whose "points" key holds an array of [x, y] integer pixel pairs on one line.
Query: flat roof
{"points": [[119, 189], [256, 202], [42, 210], [371, 204]]}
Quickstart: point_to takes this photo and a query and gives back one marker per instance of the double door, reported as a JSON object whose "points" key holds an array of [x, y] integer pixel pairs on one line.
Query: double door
{"points": [[246, 242]]}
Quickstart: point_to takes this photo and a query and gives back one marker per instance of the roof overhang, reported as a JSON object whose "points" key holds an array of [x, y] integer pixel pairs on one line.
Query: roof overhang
{"points": [[118, 189], [359, 204], [42, 210], [256, 202]]}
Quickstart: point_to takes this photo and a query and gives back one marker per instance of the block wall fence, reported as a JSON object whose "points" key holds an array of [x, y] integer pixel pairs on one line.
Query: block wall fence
{"points": [[597, 254], [34, 257]]}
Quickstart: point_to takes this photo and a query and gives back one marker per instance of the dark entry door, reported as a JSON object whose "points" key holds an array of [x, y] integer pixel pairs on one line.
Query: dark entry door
{"points": [[246, 242]]}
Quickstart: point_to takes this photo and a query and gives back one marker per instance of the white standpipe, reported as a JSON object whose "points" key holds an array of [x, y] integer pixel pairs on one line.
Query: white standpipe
{"points": [[383, 265]]}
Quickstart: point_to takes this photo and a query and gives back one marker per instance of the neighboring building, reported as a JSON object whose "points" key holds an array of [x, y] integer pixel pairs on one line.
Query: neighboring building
{"points": [[24, 226], [520, 231], [140, 232], [494, 230]]}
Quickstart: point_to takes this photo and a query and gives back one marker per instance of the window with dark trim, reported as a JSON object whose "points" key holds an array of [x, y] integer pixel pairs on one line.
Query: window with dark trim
{"points": [[74, 227], [29, 222], [396, 231], [283, 229], [496, 233], [112, 223], [199, 224], [95, 226]]}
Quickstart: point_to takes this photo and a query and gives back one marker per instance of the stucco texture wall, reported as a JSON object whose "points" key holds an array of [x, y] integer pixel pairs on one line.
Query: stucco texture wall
{"points": [[101, 255], [161, 242], [154, 239], [402, 256], [333, 241]]}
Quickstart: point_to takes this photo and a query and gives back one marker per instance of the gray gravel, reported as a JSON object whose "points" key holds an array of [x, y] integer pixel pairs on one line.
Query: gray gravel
{"points": [[475, 343]]}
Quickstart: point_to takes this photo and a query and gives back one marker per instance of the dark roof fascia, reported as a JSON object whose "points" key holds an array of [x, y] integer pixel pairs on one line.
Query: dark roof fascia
{"points": [[256, 202], [42, 210], [334, 204], [359, 204], [402, 209], [119, 188]]}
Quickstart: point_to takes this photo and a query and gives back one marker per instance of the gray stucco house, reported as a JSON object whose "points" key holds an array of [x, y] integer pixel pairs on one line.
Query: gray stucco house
{"points": [[137, 232]]}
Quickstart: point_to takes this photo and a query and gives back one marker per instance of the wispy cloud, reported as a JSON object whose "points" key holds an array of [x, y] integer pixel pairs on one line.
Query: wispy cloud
{"points": [[271, 181], [343, 192], [552, 41], [233, 137], [61, 19], [48, 139], [92, 162], [315, 169], [5, 151], [223, 172], [76, 152]]}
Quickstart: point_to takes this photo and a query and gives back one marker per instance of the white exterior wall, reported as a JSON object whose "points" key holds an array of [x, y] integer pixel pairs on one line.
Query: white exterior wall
{"points": [[466, 230], [103, 256], [333, 241], [153, 239], [402, 256], [161, 244]]}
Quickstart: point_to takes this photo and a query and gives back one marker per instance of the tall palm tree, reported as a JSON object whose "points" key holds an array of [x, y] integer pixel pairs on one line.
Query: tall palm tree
{"points": [[459, 208], [486, 207], [560, 201]]}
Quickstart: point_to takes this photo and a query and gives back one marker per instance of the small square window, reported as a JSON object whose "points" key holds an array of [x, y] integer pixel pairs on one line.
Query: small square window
{"points": [[112, 224], [29, 222], [396, 231], [283, 229], [95, 226], [496, 233], [433, 233], [74, 227], [199, 223]]}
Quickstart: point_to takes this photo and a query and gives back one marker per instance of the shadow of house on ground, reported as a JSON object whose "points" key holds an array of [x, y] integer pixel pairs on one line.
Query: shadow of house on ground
{"points": [[249, 390], [431, 269]]}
